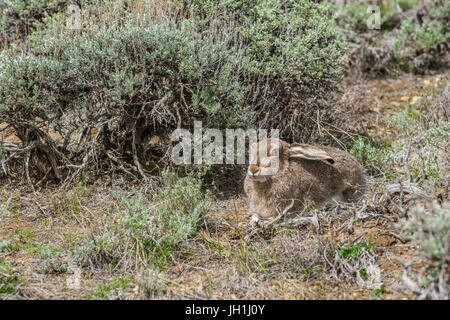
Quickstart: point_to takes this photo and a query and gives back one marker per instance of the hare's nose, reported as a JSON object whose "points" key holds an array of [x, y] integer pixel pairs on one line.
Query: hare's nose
{"points": [[252, 169]]}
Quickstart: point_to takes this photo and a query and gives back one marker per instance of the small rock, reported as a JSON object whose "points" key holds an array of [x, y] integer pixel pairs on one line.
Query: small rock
{"points": [[404, 99], [415, 99]]}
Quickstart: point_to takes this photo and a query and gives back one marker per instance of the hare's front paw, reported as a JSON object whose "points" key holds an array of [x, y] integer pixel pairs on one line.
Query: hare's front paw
{"points": [[254, 220]]}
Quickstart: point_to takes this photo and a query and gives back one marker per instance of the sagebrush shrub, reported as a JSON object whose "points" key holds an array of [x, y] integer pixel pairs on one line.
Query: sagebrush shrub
{"points": [[429, 229], [107, 89], [4, 244], [292, 56], [427, 36], [19, 17], [100, 250], [152, 282], [5, 207], [373, 155], [51, 259], [112, 290], [175, 214], [412, 36], [8, 280], [425, 148], [153, 228], [181, 207]]}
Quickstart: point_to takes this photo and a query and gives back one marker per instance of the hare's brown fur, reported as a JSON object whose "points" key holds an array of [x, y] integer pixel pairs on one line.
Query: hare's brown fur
{"points": [[307, 182]]}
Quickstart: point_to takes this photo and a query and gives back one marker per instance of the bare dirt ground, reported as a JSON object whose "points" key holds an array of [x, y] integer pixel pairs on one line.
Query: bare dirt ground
{"points": [[217, 263], [369, 102]]}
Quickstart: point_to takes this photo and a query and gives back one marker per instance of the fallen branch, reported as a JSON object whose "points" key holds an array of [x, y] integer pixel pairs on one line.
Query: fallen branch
{"points": [[402, 240], [407, 187], [299, 221], [27, 170]]}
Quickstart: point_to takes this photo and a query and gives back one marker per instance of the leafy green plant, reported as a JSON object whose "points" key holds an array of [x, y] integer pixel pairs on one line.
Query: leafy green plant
{"points": [[5, 207], [374, 156], [429, 229], [404, 119], [22, 240], [401, 44], [99, 251], [4, 244], [178, 210], [127, 81], [8, 281], [51, 259], [152, 282], [430, 34], [363, 274], [352, 16], [413, 39], [436, 133], [353, 251], [377, 292], [110, 291]]}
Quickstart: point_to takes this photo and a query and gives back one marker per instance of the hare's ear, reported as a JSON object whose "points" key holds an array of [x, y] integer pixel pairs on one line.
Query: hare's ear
{"points": [[308, 152]]}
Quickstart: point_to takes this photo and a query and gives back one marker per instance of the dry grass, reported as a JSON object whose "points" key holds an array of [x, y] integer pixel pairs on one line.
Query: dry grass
{"points": [[353, 252], [282, 263]]}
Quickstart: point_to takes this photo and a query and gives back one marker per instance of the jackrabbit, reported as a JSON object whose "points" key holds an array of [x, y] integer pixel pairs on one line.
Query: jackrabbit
{"points": [[282, 175]]}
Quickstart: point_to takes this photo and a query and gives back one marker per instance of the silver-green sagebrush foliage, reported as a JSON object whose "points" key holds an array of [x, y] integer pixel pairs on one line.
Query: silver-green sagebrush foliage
{"points": [[5, 207], [152, 282], [4, 244], [262, 63], [429, 229], [99, 251], [19, 17], [151, 227], [427, 36], [113, 290], [51, 259], [178, 210], [8, 280], [181, 206], [426, 147], [412, 35], [372, 154]]}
